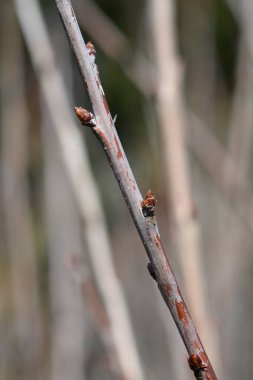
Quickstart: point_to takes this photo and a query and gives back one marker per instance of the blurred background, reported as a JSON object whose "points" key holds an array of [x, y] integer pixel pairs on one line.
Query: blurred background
{"points": [[76, 299]]}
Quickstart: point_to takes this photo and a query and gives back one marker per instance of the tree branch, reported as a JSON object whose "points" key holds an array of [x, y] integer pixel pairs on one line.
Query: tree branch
{"points": [[104, 128], [134, 64], [74, 155]]}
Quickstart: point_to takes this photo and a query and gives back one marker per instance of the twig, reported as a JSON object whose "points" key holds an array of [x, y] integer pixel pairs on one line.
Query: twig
{"points": [[136, 67], [239, 143], [118, 48], [77, 164], [101, 322], [105, 131], [64, 245], [211, 154], [239, 146], [240, 128]]}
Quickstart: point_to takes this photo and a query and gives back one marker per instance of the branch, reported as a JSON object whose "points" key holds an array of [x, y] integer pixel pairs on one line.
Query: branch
{"points": [[211, 154], [100, 321], [103, 127], [239, 143], [74, 155], [135, 66]]}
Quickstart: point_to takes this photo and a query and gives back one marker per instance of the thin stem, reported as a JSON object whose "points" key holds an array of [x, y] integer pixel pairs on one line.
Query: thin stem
{"points": [[74, 156], [22, 251], [135, 65], [104, 129], [170, 112]]}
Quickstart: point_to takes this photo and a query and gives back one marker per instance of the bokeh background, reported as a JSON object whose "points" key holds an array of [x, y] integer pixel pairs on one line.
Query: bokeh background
{"points": [[76, 299]]}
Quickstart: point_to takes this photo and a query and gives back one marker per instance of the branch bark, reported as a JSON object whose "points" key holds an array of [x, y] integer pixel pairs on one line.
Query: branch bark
{"points": [[103, 127]]}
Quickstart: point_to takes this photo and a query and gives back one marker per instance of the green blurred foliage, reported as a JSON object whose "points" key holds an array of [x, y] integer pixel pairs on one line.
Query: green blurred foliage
{"points": [[226, 39]]}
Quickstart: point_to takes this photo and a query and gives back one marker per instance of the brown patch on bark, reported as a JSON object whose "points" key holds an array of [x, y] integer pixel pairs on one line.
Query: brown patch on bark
{"points": [[103, 137], [148, 233], [167, 288], [119, 153], [106, 105], [98, 85], [130, 180], [203, 356], [158, 241], [181, 312]]}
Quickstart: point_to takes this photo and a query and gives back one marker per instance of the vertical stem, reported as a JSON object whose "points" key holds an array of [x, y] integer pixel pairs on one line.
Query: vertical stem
{"points": [[74, 154], [171, 118], [68, 329], [16, 203]]}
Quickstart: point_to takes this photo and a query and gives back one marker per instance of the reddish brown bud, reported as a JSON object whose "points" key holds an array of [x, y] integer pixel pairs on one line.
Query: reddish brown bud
{"points": [[86, 117], [148, 204], [197, 366], [194, 362], [91, 48]]}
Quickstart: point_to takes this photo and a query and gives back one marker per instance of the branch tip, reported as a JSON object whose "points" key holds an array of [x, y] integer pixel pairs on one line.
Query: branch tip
{"points": [[148, 204], [87, 118]]}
